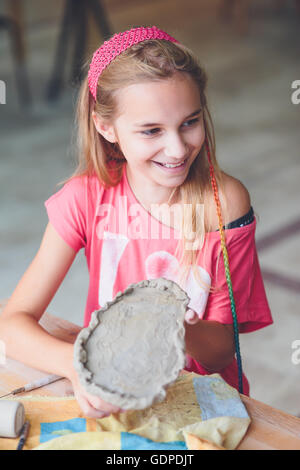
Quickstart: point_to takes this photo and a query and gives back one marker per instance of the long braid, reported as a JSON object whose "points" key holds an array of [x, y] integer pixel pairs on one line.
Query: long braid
{"points": [[227, 270]]}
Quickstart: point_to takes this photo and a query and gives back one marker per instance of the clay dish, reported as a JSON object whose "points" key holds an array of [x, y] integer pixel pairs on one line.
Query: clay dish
{"points": [[134, 346]]}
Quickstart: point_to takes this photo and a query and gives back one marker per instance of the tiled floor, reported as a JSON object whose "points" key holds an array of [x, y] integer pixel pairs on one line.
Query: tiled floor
{"points": [[258, 141]]}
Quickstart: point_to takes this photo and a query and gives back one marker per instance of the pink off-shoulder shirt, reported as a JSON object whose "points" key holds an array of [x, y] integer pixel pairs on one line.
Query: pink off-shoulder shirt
{"points": [[125, 244]]}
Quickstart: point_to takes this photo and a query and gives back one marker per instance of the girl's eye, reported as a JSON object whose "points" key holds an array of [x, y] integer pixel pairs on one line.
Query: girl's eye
{"points": [[154, 131], [150, 132], [191, 122]]}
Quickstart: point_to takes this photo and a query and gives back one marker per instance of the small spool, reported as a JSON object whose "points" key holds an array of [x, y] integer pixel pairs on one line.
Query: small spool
{"points": [[12, 418]]}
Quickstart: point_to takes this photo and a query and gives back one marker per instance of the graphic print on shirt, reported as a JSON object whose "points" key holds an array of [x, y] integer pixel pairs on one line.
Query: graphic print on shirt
{"points": [[163, 264], [157, 264], [112, 250]]}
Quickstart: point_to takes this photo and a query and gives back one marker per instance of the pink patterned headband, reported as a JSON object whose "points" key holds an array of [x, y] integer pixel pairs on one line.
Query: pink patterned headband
{"points": [[117, 44]]}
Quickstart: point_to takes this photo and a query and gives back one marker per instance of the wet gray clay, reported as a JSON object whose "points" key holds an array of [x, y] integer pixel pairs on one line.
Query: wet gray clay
{"points": [[134, 346]]}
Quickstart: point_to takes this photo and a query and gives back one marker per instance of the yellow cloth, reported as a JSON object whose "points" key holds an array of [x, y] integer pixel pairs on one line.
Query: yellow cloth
{"points": [[217, 415]]}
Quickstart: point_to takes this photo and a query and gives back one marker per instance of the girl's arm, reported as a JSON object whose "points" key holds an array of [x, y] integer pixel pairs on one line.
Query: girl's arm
{"points": [[25, 340], [210, 343]]}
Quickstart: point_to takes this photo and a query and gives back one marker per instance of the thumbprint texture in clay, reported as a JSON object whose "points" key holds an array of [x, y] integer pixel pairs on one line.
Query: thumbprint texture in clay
{"points": [[134, 346]]}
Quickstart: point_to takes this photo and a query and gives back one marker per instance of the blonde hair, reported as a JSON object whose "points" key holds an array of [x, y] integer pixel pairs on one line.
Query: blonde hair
{"points": [[150, 60]]}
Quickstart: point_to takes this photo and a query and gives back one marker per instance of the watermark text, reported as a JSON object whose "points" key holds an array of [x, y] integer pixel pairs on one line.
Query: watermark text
{"points": [[295, 97], [164, 222], [296, 353], [2, 92]]}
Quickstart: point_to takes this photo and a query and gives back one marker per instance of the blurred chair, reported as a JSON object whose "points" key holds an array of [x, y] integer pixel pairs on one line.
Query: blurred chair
{"points": [[281, 3], [74, 23], [238, 10], [13, 24]]}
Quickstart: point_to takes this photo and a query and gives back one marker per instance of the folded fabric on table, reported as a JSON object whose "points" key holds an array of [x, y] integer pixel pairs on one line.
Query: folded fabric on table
{"points": [[202, 406]]}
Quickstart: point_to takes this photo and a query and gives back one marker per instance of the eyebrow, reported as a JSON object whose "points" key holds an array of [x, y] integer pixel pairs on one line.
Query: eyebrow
{"points": [[151, 124]]}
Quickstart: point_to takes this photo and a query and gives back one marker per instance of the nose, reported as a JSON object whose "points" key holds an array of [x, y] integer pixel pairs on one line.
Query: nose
{"points": [[175, 147]]}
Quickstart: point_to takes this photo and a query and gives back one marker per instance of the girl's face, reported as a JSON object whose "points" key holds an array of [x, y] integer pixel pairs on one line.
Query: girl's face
{"points": [[159, 125]]}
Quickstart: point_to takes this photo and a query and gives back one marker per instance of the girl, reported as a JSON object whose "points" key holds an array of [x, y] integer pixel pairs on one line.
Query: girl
{"points": [[147, 200]]}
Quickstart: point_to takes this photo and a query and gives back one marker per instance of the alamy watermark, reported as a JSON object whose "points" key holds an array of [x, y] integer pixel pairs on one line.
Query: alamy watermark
{"points": [[2, 92], [295, 96], [296, 354], [128, 219]]}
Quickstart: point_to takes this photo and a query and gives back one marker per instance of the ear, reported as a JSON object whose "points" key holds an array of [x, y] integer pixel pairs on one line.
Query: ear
{"points": [[104, 128]]}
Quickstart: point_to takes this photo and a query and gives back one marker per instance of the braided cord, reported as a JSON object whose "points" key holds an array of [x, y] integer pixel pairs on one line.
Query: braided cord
{"points": [[227, 270]]}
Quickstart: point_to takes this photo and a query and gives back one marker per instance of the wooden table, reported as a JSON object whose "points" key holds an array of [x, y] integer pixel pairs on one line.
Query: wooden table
{"points": [[269, 429]]}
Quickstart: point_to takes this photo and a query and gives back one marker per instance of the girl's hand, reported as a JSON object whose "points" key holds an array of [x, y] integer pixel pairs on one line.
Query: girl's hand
{"points": [[191, 317], [91, 405]]}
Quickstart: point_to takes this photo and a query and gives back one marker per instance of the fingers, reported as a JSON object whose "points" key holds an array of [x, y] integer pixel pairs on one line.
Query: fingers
{"points": [[89, 411], [191, 317], [99, 404], [94, 407]]}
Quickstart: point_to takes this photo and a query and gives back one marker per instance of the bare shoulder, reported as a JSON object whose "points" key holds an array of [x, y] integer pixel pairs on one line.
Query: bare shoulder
{"points": [[236, 198], [235, 201]]}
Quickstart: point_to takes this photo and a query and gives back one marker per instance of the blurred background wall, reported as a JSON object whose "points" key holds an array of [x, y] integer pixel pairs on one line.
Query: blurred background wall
{"points": [[251, 52]]}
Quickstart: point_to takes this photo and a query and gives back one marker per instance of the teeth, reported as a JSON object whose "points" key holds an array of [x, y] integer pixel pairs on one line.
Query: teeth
{"points": [[168, 165]]}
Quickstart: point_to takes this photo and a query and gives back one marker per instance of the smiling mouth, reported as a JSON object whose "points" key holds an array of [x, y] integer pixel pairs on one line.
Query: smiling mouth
{"points": [[169, 165]]}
